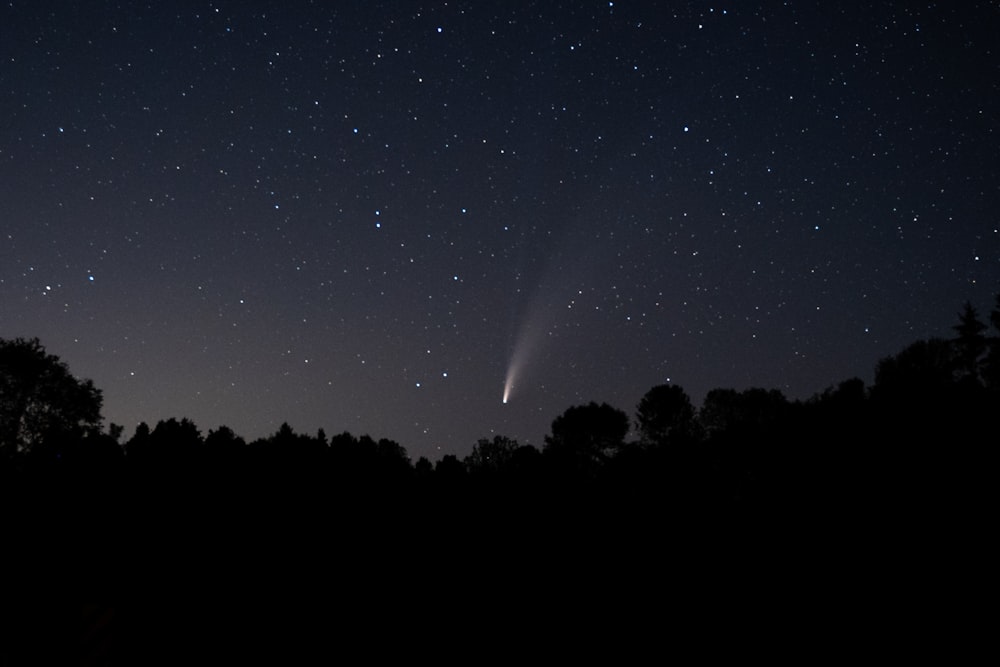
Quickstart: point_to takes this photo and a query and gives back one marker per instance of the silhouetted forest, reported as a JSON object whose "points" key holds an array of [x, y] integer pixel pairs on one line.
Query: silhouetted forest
{"points": [[172, 538]]}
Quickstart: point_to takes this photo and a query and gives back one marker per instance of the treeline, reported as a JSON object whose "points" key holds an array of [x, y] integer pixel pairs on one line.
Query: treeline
{"points": [[747, 451], [849, 485], [903, 450]]}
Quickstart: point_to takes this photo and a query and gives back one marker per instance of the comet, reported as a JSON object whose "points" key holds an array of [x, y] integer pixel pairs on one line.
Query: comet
{"points": [[559, 285], [508, 384], [524, 349]]}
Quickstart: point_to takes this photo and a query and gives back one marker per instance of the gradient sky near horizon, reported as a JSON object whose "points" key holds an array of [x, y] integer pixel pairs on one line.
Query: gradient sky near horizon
{"points": [[362, 216]]}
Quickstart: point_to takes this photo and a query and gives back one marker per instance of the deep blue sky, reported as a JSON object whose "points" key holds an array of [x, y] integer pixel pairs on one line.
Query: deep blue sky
{"points": [[355, 215]]}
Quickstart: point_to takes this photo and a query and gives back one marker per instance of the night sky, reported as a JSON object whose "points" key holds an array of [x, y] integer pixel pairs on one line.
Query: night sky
{"points": [[367, 216]]}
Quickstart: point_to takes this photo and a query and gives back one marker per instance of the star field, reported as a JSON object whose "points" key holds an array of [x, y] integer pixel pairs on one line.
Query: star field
{"points": [[355, 215]]}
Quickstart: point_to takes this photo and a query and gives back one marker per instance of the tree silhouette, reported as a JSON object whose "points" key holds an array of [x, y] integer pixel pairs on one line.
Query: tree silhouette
{"points": [[491, 456], [173, 433], [970, 344], [139, 442], [748, 411], [450, 468], [423, 467], [848, 393], [920, 373], [392, 455], [40, 398], [224, 449], [587, 434], [224, 440], [664, 414]]}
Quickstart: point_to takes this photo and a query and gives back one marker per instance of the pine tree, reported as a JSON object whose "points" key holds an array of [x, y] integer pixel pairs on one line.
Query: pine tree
{"points": [[970, 344]]}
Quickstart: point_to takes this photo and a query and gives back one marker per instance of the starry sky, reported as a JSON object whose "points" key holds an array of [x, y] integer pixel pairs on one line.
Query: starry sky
{"points": [[370, 216]]}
